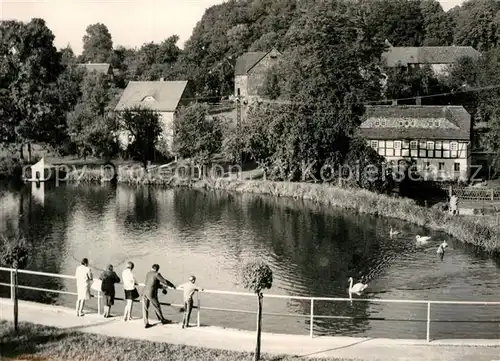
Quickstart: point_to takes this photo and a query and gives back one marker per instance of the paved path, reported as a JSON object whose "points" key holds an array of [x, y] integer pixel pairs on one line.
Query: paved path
{"points": [[213, 337]]}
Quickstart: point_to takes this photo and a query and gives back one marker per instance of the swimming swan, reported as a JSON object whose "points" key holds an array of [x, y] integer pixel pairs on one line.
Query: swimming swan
{"points": [[393, 233], [357, 288], [423, 239]]}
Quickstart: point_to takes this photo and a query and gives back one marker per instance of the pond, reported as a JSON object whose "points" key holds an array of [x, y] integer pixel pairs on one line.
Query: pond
{"points": [[312, 250]]}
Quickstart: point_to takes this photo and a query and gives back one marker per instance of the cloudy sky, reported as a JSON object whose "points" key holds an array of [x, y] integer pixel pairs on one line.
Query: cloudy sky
{"points": [[131, 22]]}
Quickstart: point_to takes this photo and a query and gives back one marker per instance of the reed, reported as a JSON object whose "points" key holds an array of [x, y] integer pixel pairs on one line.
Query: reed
{"points": [[472, 230]]}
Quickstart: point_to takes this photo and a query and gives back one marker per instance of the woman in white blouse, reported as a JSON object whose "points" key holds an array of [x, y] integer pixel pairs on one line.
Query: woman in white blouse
{"points": [[131, 293]]}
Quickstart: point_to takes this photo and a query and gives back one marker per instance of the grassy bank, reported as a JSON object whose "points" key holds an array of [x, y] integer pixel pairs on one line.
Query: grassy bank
{"points": [[42, 343], [470, 230]]}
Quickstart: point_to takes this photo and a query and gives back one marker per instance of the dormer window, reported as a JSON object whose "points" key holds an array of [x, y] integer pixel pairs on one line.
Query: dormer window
{"points": [[377, 123], [148, 98], [383, 122], [436, 123]]}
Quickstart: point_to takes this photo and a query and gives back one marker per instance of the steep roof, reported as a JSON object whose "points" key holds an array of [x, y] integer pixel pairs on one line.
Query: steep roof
{"points": [[459, 118], [247, 60], [428, 55], [162, 96], [98, 67]]}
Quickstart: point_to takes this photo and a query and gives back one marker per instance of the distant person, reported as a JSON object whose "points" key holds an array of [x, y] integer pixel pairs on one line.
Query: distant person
{"points": [[84, 279], [189, 289], [454, 204], [154, 281], [441, 249], [109, 278], [129, 283]]}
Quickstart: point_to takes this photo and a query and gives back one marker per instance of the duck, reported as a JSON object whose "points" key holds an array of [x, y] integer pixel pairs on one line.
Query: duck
{"points": [[422, 239], [357, 288], [393, 233]]}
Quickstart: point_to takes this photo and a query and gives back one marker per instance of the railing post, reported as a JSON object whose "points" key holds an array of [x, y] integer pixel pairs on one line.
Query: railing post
{"points": [[428, 321], [12, 285], [99, 302], [198, 310], [311, 320]]}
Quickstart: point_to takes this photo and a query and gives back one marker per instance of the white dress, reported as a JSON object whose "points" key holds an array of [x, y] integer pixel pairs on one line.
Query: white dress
{"points": [[83, 276]]}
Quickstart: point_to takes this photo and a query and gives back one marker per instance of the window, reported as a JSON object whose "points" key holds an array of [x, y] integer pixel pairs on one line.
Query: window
{"points": [[422, 144], [454, 146], [441, 166], [446, 153], [389, 144], [405, 153], [381, 143], [413, 144], [436, 123], [406, 144], [377, 123], [238, 92], [383, 122], [374, 144], [438, 154], [439, 145], [457, 167], [430, 145], [430, 154], [397, 144], [446, 145], [422, 153]]}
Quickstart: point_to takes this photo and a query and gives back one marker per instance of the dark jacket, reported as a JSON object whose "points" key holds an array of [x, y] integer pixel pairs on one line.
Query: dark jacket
{"points": [[109, 278], [155, 281]]}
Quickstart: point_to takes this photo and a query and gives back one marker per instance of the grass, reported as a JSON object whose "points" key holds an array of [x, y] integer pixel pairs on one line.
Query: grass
{"points": [[472, 230], [43, 343]]}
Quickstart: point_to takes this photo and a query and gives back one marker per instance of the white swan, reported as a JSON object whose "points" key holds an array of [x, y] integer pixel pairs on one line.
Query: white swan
{"points": [[357, 288], [422, 240], [393, 233]]}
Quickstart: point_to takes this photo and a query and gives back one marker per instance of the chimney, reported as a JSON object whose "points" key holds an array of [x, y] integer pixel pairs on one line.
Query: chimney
{"points": [[418, 101]]}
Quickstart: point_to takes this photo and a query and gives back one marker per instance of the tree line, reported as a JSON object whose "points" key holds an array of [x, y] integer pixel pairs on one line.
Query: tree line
{"points": [[331, 66]]}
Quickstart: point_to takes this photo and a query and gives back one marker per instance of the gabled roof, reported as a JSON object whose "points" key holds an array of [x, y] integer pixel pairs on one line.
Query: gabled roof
{"points": [[98, 67], [248, 60], [162, 96], [428, 55], [459, 118]]}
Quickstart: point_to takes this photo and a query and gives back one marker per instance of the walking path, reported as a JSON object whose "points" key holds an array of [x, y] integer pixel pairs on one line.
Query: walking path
{"points": [[213, 337]]}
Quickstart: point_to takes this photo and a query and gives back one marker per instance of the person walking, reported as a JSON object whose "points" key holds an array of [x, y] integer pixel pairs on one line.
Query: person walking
{"points": [[441, 249], [189, 289], [129, 283], [84, 279], [154, 281], [109, 278]]}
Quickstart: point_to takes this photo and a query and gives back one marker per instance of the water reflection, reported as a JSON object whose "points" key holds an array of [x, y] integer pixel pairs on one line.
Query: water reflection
{"points": [[313, 250]]}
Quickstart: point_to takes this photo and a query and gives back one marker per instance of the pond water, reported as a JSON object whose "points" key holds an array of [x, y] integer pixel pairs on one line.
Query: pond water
{"points": [[312, 250]]}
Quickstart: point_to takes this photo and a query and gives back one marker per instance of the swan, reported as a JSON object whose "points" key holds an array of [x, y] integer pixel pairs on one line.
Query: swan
{"points": [[393, 233], [357, 288], [423, 239]]}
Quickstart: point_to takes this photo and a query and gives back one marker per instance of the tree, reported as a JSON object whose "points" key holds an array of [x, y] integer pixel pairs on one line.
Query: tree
{"points": [[257, 276], [14, 254], [143, 125], [30, 67], [97, 44], [197, 135]]}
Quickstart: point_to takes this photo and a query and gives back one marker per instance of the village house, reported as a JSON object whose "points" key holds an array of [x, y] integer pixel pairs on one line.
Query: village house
{"points": [[439, 58], [250, 73], [436, 138], [162, 96], [102, 68]]}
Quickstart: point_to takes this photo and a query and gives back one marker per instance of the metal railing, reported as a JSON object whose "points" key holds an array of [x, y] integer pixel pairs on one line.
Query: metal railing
{"points": [[198, 308]]}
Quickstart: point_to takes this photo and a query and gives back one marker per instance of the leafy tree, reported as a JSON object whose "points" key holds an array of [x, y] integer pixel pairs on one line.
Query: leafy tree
{"points": [[197, 135], [97, 44], [143, 125], [257, 276], [14, 254], [30, 67], [477, 24]]}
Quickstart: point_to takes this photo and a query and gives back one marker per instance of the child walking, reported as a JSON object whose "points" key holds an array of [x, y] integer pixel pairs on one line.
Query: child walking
{"points": [[189, 289]]}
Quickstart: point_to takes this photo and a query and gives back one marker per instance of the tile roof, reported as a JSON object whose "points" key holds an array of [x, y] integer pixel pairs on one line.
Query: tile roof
{"points": [[457, 115], [98, 67], [247, 60], [162, 96], [428, 55]]}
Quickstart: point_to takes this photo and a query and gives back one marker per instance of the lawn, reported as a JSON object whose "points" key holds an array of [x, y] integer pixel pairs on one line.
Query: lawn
{"points": [[42, 343]]}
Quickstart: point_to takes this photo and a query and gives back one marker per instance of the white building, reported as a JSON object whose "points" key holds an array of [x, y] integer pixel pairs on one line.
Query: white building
{"points": [[165, 97]]}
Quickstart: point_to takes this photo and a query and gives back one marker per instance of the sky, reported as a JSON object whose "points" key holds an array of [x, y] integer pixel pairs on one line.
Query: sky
{"points": [[130, 22]]}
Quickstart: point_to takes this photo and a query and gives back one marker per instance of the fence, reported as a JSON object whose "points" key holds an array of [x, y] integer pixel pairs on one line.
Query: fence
{"points": [[476, 194], [312, 301]]}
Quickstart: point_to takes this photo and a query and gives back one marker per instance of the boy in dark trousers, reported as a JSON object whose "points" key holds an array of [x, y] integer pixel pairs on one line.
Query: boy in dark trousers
{"points": [[189, 289]]}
